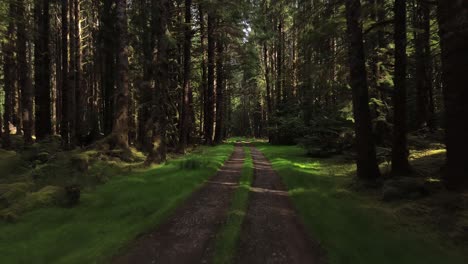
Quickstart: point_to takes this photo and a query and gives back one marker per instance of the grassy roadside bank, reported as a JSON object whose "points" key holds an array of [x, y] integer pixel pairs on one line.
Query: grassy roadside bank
{"points": [[110, 216], [351, 227], [227, 239]]}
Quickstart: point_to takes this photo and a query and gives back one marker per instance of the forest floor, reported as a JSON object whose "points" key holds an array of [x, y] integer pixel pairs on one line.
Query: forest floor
{"points": [[187, 236], [267, 204]]}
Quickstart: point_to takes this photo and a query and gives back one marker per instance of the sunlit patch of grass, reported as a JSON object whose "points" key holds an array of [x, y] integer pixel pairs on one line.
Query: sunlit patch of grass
{"points": [[417, 154], [228, 237], [355, 227], [108, 217]]}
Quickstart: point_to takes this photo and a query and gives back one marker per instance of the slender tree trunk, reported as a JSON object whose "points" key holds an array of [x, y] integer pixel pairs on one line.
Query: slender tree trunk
{"points": [[453, 24], [400, 163], [219, 91], [367, 168], [108, 64], [80, 89], [279, 61], [120, 127], [185, 124], [67, 93], [204, 83], [24, 76], [268, 87], [8, 77], [209, 113], [42, 70]]}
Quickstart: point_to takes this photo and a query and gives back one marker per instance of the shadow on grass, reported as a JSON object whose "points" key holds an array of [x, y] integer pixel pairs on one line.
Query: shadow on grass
{"points": [[353, 227], [108, 217]]}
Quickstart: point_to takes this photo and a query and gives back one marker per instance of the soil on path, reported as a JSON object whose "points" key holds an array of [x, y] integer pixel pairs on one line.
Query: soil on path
{"points": [[272, 232], [185, 237]]}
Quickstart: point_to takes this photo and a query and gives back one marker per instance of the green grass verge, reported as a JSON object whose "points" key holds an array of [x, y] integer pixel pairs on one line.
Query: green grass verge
{"points": [[228, 237], [109, 217], [352, 227]]}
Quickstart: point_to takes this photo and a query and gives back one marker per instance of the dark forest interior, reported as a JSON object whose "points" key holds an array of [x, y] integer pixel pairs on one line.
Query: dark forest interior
{"points": [[115, 114]]}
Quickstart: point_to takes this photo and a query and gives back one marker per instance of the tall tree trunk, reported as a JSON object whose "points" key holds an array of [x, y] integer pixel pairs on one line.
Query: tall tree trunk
{"points": [[367, 168], [120, 127], [279, 63], [8, 77], [67, 93], [219, 91], [160, 112], [42, 70], [185, 124], [453, 24], [268, 87], [80, 89], [24, 77], [209, 113], [204, 83], [400, 165], [423, 77], [108, 75]]}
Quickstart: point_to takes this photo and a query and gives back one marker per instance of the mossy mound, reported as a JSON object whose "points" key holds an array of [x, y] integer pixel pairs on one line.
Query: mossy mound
{"points": [[47, 196], [10, 193]]}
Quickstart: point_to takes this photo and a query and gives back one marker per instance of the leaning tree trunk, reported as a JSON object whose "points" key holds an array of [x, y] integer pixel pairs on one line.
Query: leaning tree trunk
{"points": [[367, 168], [120, 127], [453, 24], [24, 77], [400, 165]]}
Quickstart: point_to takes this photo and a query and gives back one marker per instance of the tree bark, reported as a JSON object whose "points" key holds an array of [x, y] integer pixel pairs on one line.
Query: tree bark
{"points": [[67, 93], [367, 168], [209, 113], [219, 91], [204, 84], [42, 70], [8, 77], [24, 77], [120, 127], [185, 124], [400, 165], [453, 24], [160, 112]]}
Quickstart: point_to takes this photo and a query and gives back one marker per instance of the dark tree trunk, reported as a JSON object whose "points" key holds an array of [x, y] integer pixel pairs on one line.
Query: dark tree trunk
{"points": [[42, 70], [219, 91], [204, 84], [80, 89], [108, 75], [425, 104], [24, 77], [209, 113], [8, 77], [268, 87], [120, 127], [160, 112], [400, 165], [279, 63], [453, 24], [367, 168], [185, 124], [67, 93]]}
